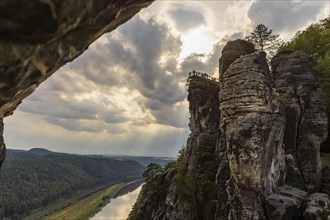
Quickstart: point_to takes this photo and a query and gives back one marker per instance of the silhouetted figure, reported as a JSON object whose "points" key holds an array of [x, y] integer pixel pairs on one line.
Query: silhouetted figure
{"points": [[203, 75]]}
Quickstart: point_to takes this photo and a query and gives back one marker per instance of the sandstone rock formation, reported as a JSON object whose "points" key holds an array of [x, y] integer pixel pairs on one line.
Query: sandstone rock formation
{"points": [[250, 150], [318, 207], [296, 80], [289, 203], [2, 144], [252, 123], [232, 51], [189, 186], [267, 159], [198, 160], [38, 37], [325, 186]]}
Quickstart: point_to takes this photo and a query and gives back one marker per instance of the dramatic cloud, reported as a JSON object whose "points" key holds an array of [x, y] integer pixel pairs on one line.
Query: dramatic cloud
{"points": [[208, 62], [186, 19], [27, 130], [127, 77], [143, 59], [126, 94], [286, 16]]}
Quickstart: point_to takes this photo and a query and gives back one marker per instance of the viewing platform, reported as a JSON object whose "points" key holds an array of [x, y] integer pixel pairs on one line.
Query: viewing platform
{"points": [[200, 75]]}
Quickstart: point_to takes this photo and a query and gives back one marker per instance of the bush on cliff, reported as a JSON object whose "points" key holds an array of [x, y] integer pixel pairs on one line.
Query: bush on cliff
{"points": [[314, 40]]}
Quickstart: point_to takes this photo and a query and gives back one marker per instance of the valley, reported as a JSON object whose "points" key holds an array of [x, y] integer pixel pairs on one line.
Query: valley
{"points": [[39, 183]]}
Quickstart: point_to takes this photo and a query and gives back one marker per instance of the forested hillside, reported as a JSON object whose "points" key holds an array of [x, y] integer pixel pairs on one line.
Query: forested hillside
{"points": [[36, 178], [146, 160]]}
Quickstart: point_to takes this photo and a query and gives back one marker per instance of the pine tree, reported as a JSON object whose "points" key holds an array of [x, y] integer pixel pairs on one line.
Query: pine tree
{"points": [[264, 40], [151, 172]]}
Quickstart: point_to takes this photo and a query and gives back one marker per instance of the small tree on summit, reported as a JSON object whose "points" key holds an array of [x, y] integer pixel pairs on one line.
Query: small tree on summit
{"points": [[264, 40]]}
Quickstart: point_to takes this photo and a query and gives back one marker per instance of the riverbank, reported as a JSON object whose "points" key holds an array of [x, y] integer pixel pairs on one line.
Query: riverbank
{"points": [[129, 187], [87, 207], [91, 205], [119, 207], [62, 203]]}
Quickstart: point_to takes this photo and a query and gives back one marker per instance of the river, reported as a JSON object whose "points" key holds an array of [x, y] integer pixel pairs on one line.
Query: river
{"points": [[119, 207]]}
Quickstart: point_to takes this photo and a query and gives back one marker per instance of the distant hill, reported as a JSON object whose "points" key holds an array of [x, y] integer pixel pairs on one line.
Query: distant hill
{"points": [[40, 151], [35, 178], [145, 160]]}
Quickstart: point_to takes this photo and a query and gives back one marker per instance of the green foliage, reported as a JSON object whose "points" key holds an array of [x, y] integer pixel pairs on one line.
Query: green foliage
{"points": [[264, 40], [315, 41], [282, 98], [170, 165], [29, 181], [153, 192], [185, 190], [151, 172], [180, 161], [85, 208], [185, 186], [202, 185], [323, 65], [198, 191], [207, 189]]}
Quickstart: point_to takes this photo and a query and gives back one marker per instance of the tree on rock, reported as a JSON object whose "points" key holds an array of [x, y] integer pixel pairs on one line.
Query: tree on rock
{"points": [[151, 172], [264, 40], [314, 40]]}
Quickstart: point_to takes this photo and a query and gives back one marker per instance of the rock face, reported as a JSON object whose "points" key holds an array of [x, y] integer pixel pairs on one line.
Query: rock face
{"points": [[318, 207], [189, 187], [232, 51], [250, 150], [38, 37], [325, 186], [267, 158], [289, 203], [203, 100], [2, 144], [306, 127]]}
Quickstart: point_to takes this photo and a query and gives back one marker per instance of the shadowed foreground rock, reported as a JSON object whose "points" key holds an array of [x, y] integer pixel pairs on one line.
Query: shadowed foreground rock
{"points": [[318, 207], [289, 203], [38, 37]]}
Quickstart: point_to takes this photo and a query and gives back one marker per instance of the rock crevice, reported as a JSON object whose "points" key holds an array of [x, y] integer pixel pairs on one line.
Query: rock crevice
{"points": [[296, 80]]}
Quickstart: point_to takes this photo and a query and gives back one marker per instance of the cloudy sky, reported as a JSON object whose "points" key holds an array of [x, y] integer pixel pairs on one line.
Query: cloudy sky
{"points": [[126, 94]]}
